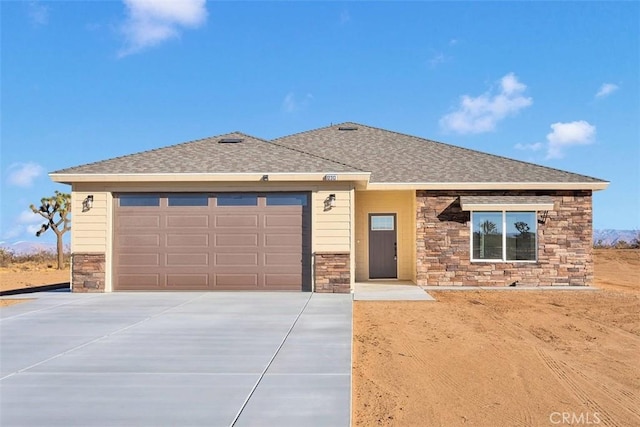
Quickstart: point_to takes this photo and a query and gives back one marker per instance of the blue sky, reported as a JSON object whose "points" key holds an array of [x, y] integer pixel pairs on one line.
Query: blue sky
{"points": [[551, 83]]}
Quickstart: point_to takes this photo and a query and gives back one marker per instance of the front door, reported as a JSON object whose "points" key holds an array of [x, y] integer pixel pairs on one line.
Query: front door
{"points": [[383, 246]]}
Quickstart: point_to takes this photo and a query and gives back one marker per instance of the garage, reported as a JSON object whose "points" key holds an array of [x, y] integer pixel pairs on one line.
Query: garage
{"points": [[211, 241]]}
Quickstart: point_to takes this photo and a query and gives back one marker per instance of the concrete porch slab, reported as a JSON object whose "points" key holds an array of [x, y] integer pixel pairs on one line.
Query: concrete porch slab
{"points": [[389, 291]]}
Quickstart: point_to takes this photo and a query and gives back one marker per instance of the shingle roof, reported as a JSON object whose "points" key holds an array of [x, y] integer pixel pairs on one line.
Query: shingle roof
{"points": [[251, 155], [393, 157]]}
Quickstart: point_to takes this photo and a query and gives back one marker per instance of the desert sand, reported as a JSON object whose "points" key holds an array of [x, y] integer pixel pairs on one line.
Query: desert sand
{"points": [[504, 358]]}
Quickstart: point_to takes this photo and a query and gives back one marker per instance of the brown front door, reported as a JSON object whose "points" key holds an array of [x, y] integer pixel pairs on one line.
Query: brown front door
{"points": [[383, 246]]}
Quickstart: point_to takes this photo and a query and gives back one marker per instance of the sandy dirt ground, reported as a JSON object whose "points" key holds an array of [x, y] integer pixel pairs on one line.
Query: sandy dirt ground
{"points": [[26, 275], [504, 358]]}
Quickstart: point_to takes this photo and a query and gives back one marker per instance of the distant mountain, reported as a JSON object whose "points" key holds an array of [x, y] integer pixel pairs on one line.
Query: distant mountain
{"points": [[23, 247], [611, 237]]}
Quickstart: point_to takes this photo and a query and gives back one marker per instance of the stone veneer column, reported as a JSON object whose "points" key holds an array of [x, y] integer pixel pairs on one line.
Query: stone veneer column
{"points": [[87, 273], [443, 243], [333, 272]]}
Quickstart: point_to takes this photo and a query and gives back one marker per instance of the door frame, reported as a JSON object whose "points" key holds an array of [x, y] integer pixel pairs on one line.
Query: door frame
{"points": [[395, 231]]}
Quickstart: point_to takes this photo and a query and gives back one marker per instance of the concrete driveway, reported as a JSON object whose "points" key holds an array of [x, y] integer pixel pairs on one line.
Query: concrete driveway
{"points": [[176, 359]]}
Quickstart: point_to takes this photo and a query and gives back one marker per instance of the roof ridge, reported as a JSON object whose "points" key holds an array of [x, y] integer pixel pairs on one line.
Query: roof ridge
{"points": [[316, 156], [314, 130]]}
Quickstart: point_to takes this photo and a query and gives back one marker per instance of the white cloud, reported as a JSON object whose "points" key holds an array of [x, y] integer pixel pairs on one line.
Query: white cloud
{"points": [[23, 174], [536, 146], [292, 104], [606, 89], [38, 13], [482, 113], [25, 222], [565, 135], [151, 22]]}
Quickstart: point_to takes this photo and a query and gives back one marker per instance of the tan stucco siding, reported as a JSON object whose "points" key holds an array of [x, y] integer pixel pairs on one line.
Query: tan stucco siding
{"points": [[89, 232], [401, 203], [332, 227]]}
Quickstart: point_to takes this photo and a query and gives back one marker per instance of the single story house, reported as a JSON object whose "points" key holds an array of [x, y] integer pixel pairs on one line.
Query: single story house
{"points": [[323, 209]]}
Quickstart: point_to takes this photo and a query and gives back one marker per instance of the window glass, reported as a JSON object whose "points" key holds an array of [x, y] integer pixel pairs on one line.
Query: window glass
{"points": [[139, 200], [188, 200], [382, 222], [521, 236], [286, 200], [487, 235], [237, 200]]}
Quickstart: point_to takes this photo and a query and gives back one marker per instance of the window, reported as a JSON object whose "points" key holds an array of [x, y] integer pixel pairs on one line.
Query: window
{"points": [[139, 200], [285, 199], [188, 200], [237, 200], [503, 236], [382, 222]]}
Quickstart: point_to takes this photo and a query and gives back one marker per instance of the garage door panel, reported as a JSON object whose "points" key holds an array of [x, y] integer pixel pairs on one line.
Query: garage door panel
{"points": [[292, 240], [188, 240], [139, 240], [289, 220], [282, 281], [188, 281], [139, 260], [189, 259], [186, 221], [131, 221], [287, 259], [138, 281], [236, 281], [251, 247], [235, 239], [236, 259], [236, 221]]}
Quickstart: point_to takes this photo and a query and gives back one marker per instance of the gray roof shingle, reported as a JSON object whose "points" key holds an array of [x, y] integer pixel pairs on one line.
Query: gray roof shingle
{"points": [[393, 157], [251, 155]]}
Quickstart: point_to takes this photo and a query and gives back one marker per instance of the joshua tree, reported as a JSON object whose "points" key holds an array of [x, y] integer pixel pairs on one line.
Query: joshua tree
{"points": [[488, 227], [59, 204], [522, 227]]}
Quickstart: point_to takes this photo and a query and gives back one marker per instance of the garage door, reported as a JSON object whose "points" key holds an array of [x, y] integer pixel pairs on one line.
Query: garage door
{"points": [[225, 241]]}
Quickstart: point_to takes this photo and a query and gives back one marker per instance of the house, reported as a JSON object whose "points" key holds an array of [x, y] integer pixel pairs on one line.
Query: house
{"points": [[323, 209]]}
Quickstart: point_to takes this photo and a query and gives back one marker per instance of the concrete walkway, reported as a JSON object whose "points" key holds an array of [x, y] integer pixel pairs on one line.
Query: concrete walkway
{"points": [[176, 359], [389, 291]]}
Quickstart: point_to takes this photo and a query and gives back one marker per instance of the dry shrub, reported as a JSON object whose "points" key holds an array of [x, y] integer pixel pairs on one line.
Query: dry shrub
{"points": [[43, 256], [6, 257]]}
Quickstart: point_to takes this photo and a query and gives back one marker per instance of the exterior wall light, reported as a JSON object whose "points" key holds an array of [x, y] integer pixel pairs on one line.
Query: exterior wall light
{"points": [[330, 202], [87, 203], [265, 178]]}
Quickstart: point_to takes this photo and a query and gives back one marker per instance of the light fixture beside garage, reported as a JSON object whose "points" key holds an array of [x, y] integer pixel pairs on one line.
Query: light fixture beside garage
{"points": [[330, 202], [264, 178], [87, 203]]}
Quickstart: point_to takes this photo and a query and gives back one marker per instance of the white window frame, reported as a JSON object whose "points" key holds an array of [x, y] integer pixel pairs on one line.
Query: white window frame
{"points": [[504, 239]]}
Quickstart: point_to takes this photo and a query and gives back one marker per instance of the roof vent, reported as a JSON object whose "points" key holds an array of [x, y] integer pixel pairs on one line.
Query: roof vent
{"points": [[348, 128], [230, 140]]}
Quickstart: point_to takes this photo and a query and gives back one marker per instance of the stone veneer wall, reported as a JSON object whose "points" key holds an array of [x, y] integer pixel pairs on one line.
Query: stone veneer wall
{"points": [[333, 272], [443, 243], [87, 273]]}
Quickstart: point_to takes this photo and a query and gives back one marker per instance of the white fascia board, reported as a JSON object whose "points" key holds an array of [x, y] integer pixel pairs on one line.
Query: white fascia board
{"points": [[594, 186], [208, 177]]}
